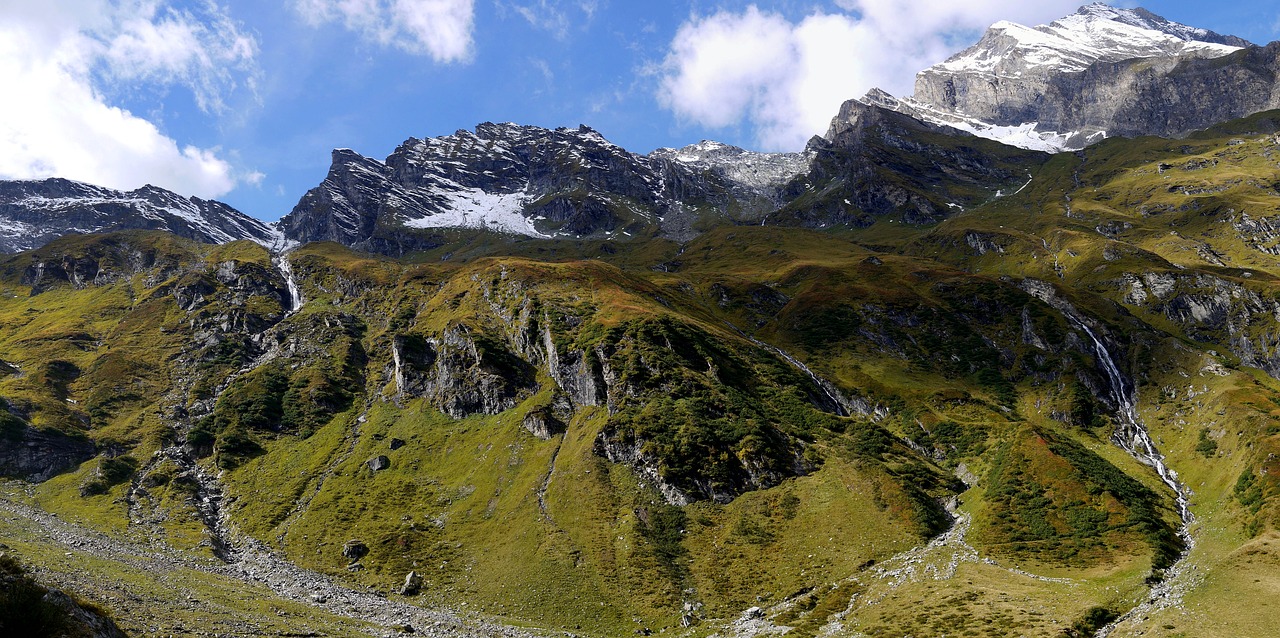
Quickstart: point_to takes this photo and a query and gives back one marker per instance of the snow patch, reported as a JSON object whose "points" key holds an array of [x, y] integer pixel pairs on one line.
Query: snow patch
{"points": [[476, 208]]}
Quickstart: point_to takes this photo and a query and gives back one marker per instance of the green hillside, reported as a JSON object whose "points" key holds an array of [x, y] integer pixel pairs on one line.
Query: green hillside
{"points": [[889, 429]]}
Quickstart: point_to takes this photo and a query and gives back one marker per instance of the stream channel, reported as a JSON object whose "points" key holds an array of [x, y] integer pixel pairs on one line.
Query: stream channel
{"points": [[1132, 435]]}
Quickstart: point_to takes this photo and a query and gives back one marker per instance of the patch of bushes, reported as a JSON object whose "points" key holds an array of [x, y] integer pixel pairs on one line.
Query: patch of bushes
{"points": [[663, 527], [1249, 493], [109, 473], [825, 326], [12, 428], [1066, 517], [955, 440], [714, 423], [1206, 446], [268, 400], [1084, 407], [1143, 503], [1094, 619]]}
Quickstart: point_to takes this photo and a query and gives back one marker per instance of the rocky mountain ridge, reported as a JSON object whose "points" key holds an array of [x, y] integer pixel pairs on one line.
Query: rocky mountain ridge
{"points": [[530, 181], [33, 213], [1097, 73]]}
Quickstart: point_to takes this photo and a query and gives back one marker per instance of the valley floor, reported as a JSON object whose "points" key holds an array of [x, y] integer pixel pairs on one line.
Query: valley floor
{"points": [[154, 590]]}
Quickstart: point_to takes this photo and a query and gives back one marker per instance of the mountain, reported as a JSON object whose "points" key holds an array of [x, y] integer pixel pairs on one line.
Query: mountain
{"points": [[530, 181], [573, 184], [33, 213], [910, 381], [748, 173], [1097, 73], [1039, 415]]}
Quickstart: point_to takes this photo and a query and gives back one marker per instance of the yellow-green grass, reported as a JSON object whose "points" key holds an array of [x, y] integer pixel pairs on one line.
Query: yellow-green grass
{"points": [[150, 596]]}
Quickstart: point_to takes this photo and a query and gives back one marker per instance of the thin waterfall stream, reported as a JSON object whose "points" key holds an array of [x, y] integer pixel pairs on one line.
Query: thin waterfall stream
{"points": [[844, 407], [286, 270], [1131, 434]]}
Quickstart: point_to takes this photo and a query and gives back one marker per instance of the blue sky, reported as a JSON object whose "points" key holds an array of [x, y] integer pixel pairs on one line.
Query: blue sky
{"points": [[243, 100]]}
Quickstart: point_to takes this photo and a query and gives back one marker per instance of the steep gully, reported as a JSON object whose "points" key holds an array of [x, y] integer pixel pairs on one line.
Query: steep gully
{"points": [[1132, 435]]}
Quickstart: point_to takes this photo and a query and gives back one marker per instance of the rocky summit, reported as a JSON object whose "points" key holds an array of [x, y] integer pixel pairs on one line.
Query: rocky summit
{"points": [[519, 381]]}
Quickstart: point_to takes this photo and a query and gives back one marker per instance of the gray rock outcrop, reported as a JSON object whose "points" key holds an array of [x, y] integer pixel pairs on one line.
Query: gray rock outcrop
{"points": [[354, 550], [412, 584], [37, 455]]}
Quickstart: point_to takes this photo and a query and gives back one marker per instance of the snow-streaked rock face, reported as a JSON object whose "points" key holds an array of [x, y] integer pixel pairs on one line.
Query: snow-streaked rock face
{"points": [[33, 213], [1074, 81], [759, 172], [531, 181]]}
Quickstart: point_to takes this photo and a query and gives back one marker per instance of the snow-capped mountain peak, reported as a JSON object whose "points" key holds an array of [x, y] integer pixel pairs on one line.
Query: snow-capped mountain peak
{"points": [[536, 182], [1066, 84], [1097, 33]]}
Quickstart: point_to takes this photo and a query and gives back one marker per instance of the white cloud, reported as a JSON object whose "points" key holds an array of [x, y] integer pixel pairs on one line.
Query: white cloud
{"points": [[58, 58], [557, 16], [788, 78], [440, 29], [174, 46]]}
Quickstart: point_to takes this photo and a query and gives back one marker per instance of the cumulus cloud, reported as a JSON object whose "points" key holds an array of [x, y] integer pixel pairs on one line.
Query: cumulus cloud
{"points": [[440, 29], [786, 78], [59, 57]]}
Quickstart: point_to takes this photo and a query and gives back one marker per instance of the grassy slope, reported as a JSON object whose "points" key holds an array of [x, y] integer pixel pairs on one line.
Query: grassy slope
{"points": [[460, 503], [1165, 206]]}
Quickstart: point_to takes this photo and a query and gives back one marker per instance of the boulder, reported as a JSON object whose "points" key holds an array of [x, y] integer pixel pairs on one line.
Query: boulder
{"points": [[354, 550], [412, 584]]}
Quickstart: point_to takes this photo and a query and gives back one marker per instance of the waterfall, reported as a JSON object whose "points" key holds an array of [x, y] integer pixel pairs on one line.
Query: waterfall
{"points": [[1132, 435], [286, 270], [844, 407]]}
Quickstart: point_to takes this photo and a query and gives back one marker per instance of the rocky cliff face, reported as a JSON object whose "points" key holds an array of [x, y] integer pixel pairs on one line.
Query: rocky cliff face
{"points": [[36, 455], [1097, 73], [33, 213], [755, 180]]}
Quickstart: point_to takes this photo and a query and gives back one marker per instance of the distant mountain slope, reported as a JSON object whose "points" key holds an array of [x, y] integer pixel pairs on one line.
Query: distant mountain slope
{"points": [[33, 213], [752, 173], [875, 163], [1097, 73]]}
